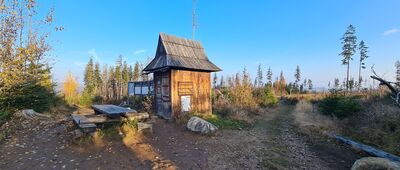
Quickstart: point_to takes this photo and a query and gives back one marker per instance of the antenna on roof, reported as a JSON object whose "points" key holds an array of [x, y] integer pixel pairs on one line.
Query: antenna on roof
{"points": [[194, 19]]}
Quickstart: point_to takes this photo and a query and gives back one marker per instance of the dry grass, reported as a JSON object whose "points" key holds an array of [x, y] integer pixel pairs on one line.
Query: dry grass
{"points": [[309, 120]]}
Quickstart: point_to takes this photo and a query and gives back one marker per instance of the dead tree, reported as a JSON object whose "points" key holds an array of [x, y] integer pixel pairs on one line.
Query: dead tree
{"points": [[395, 93]]}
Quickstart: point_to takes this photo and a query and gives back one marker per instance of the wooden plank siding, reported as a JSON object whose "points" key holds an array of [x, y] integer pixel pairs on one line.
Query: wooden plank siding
{"points": [[201, 91]]}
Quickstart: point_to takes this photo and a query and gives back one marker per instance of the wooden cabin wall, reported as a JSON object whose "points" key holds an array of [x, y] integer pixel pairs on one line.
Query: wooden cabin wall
{"points": [[199, 82]]}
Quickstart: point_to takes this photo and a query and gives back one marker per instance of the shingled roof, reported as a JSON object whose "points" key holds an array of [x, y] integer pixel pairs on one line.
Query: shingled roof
{"points": [[180, 53]]}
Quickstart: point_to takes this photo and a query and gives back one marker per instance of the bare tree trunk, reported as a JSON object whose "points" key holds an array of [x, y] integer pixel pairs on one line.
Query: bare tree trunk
{"points": [[359, 77], [347, 77]]}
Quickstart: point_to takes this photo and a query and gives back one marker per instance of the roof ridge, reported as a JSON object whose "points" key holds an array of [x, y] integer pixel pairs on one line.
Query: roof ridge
{"points": [[189, 57], [201, 47]]}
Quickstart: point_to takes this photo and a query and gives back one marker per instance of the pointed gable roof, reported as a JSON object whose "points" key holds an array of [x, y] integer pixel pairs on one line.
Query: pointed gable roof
{"points": [[180, 53]]}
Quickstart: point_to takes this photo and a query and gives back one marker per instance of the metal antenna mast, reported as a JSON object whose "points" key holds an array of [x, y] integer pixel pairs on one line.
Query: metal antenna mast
{"points": [[194, 19]]}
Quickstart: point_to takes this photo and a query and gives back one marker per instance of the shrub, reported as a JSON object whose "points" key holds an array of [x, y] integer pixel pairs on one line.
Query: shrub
{"points": [[340, 106], [225, 123], [4, 115], [85, 99], [142, 103], [29, 95], [268, 97], [133, 124], [97, 99]]}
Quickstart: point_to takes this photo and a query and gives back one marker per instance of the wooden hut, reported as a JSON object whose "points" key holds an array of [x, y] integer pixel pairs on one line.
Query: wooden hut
{"points": [[181, 72]]}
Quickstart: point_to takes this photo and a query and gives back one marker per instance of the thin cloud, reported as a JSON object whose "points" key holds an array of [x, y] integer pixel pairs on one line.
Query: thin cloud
{"points": [[139, 51], [94, 54], [391, 31]]}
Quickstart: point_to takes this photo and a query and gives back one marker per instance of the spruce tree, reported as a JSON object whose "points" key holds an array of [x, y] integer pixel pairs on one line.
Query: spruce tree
{"points": [[282, 84], [215, 79], [259, 78], [336, 84], [97, 78], [136, 71], [89, 77], [297, 76], [269, 76], [363, 55], [349, 42], [310, 85]]}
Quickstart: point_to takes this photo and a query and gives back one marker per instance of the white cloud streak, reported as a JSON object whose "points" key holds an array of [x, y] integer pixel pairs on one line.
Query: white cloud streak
{"points": [[139, 51], [391, 31]]}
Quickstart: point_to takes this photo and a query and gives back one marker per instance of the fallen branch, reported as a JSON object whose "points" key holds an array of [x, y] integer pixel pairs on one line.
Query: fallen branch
{"points": [[368, 149], [29, 113], [395, 94]]}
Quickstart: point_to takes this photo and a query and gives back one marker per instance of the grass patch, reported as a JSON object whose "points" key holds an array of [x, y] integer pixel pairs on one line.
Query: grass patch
{"points": [[275, 158], [4, 115], [225, 123], [133, 124], [111, 131]]}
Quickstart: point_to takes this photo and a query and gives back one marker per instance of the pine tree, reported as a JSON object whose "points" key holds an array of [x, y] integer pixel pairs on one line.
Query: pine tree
{"points": [[104, 83], [89, 77], [130, 73], [351, 84], [259, 78], [215, 80], [97, 78], [336, 84], [310, 85], [282, 84], [118, 77], [349, 42], [112, 85], [269, 76], [136, 71], [363, 55], [297, 76]]}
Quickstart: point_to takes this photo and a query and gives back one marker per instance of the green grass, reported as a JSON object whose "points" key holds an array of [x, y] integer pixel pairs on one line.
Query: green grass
{"points": [[225, 123], [111, 131], [4, 115]]}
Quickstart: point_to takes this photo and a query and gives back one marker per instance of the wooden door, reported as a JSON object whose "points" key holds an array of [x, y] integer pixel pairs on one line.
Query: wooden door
{"points": [[163, 94]]}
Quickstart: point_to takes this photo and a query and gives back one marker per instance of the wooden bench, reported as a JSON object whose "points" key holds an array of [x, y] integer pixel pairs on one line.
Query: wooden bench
{"points": [[106, 114]]}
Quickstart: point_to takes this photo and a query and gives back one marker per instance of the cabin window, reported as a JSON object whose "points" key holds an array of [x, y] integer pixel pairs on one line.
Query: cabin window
{"points": [[165, 89]]}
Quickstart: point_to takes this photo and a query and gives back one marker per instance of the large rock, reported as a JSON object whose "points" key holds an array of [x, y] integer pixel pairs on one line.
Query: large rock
{"points": [[199, 125], [374, 163]]}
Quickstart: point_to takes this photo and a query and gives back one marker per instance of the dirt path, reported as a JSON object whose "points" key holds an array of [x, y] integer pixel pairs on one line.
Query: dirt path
{"points": [[292, 149], [273, 143]]}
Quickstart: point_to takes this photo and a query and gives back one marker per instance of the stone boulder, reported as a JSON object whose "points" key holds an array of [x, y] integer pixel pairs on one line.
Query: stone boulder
{"points": [[199, 125], [374, 163]]}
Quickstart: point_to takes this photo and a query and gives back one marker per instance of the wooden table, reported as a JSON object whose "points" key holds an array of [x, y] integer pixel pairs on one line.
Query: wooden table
{"points": [[106, 114], [112, 110]]}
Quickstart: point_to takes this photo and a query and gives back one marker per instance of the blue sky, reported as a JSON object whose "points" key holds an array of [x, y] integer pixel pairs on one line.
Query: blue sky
{"points": [[280, 34]]}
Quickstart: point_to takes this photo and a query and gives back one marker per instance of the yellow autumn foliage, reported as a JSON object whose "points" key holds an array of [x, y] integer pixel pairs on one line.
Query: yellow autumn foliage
{"points": [[70, 89]]}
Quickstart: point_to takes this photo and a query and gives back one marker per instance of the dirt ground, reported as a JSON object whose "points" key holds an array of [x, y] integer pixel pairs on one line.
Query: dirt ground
{"points": [[273, 143]]}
